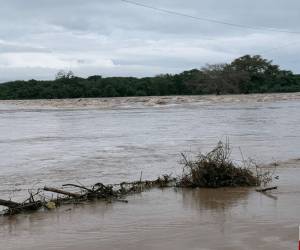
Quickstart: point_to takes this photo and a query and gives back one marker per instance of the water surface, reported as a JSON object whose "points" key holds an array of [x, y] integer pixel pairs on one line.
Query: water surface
{"points": [[52, 146]]}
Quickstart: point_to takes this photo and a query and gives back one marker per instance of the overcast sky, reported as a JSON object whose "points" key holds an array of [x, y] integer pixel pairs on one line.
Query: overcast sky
{"points": [[114, 38]]}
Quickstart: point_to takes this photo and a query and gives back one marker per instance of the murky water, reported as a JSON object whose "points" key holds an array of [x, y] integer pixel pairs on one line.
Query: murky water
{"points": [[168, 219], [56, 144]]}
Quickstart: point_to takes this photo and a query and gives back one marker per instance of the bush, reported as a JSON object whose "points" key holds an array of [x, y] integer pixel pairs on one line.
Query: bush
{"points": [[216, 169]]}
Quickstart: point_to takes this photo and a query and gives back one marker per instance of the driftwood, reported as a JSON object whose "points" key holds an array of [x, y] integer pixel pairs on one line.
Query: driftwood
{"points": [[14, 207], [109, 193], [266, 189], [112, 192], [78, 186], [27, 206], [9, 204], [214, 169], [59, 191]]}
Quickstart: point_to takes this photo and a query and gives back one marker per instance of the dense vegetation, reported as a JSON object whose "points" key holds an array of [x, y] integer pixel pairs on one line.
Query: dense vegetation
{"points": [[247, 74]]}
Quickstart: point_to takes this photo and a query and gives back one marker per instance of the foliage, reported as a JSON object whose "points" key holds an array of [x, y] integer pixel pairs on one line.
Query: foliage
{"points": [[247, 74], [64, 75], [215, 169]]}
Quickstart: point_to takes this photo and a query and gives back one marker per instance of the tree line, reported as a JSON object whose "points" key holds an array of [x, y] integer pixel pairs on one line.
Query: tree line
{"points": [[244, 75]]}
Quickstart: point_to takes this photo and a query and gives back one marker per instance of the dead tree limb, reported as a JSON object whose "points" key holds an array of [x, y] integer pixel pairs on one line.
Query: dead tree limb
{"points": [[59, 191], [14, 207], [9, 204], [266, 189], [78, 186], [110, 192]]}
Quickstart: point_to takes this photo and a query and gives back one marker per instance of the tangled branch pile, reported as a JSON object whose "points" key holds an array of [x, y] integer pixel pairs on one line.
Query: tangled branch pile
{"points": [[216, 169], [112, 192], [212, 170]]}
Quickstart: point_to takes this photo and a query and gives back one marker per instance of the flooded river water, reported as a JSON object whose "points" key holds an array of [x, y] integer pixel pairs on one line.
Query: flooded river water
{"points": [[112, 140]]}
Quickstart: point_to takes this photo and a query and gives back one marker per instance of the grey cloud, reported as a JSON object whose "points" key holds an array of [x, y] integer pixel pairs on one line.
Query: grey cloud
{"points": [[7, 47], [111, 37]]}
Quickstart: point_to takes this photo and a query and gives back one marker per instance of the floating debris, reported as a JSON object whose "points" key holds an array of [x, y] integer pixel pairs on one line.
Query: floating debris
{"points": [[212, 170]]}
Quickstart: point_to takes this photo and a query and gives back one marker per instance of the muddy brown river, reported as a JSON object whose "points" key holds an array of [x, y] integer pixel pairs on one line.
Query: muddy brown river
{"points": [[112, 140]]}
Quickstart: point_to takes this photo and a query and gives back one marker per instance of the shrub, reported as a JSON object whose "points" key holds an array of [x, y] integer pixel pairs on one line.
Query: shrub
{"points": [[216, 169]]}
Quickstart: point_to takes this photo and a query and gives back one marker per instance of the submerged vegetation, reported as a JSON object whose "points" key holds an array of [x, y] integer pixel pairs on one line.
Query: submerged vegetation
{"points": [[244, 75], [212, 170]]}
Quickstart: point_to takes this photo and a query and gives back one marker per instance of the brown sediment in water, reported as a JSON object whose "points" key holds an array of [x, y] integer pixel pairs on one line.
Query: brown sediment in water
{"points": [[230, 218], [214, 169], [282, 164], [187, 219], [49, 148], [216, 219], [148, 101]]}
